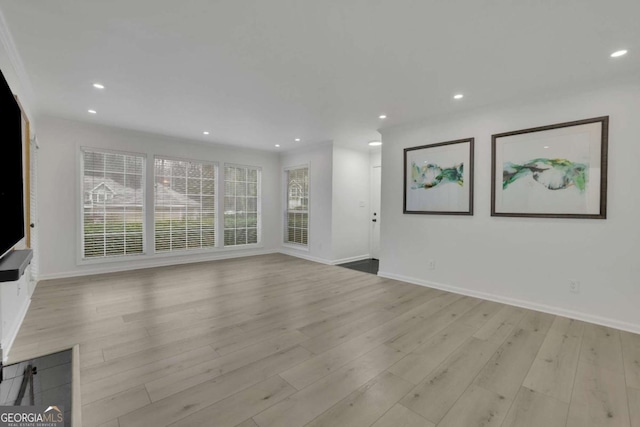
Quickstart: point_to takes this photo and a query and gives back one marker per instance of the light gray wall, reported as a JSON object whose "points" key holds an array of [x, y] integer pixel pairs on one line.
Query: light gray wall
{"points": [[351, 194], [525, 261], [58, 192]]}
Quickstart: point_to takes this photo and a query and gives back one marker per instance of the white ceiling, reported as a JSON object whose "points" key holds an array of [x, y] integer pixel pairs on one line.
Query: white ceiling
{"points": [[261, 72]]}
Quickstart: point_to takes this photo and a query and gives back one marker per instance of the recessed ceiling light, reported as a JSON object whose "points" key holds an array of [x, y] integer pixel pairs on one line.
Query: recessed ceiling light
{"points": [[92, 111], [375, 143], [98, 86], [546, 146], [277, 145], [382, 116], [206, 132], [297, 140], [618, 53], [458, 96]]}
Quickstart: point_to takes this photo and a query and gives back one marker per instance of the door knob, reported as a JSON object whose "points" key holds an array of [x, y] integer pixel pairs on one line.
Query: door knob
{"points": [[374, 220]]}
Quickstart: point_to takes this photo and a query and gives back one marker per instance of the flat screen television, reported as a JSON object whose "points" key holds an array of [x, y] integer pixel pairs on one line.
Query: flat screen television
{"points": [[11, 185]]}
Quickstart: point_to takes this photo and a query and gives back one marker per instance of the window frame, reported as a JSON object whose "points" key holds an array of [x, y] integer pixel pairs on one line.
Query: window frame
{"points": [[81, 259], [259, 207], [285, 223], [216, 210]]}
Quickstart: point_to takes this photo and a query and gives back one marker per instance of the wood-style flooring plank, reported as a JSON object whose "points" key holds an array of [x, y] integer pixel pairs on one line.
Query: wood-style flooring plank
{"points": [[241, 406], [195, 374], [365, 405], [553, 370], [599, 398], [275, 340], [180, 405], [634, 406], [435, 395], [336, 357], [508, 366], [305, 405], [631, 355], [602, 347], [533, 409], [399, 416], [107, 409], [477, 407]]}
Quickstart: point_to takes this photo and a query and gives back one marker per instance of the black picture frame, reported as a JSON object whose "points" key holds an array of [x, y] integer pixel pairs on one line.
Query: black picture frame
{"points": [[597, 169], [466, 161]]}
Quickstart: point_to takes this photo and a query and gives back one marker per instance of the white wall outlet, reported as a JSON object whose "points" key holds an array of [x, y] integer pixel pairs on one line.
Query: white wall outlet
{"points": [[431, 264], [574, 286]]}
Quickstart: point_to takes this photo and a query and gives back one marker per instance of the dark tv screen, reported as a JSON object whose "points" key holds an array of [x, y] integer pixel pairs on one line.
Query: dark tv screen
{"points": [[11, 187]]}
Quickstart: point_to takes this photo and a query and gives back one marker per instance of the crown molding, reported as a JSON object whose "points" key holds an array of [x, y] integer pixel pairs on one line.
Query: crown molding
{"points": [[27, 94]]}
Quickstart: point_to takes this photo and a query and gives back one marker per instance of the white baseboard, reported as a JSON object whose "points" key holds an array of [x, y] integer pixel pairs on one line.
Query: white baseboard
{"points": [[559, 311], [303, 255], [351, 259], [10, 337], [160, 262]]}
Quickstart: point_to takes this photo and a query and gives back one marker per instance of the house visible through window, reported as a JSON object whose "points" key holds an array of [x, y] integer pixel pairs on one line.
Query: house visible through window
{"points": [[241, 205], [297, 210], [113, 204], [185, 205]]}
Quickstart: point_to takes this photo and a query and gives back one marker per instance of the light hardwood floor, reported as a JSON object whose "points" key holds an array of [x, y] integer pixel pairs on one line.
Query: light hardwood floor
{"points": [[278, 341]]}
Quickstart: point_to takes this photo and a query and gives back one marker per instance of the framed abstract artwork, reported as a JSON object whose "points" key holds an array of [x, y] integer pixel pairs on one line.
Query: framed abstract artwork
{"points": [[438, 178], [556, 171]]}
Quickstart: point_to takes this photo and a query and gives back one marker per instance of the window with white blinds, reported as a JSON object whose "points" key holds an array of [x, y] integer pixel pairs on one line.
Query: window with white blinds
{"points": [[185, 205], [112, 204], [297, 210], [241, 205]]}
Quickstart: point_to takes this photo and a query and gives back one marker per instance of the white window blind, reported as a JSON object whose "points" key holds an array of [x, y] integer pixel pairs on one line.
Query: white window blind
{"points": [[185, 205], [241, 205], [297, 212], [113, 204]]}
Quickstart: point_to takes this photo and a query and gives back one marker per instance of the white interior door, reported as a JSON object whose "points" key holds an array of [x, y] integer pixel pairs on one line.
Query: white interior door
{"points": [[376, 189]]}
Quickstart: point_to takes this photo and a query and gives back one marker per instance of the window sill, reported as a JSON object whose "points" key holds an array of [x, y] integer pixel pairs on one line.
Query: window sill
{"points": [[163, 255]]}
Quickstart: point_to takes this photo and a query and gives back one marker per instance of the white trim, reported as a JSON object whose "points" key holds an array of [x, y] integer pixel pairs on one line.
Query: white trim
{"points": [[8, 339], [76, 387], [351, 259], [183, 159], [296, 246], [158, 262], [323, 260], [307, 257], [604, 321]]}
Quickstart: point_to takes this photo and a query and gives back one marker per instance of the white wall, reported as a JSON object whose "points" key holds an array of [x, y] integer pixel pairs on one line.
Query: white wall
{"points": [[319, 158], [351, 194], [525, 261], [375, 156], [58, 192]]}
